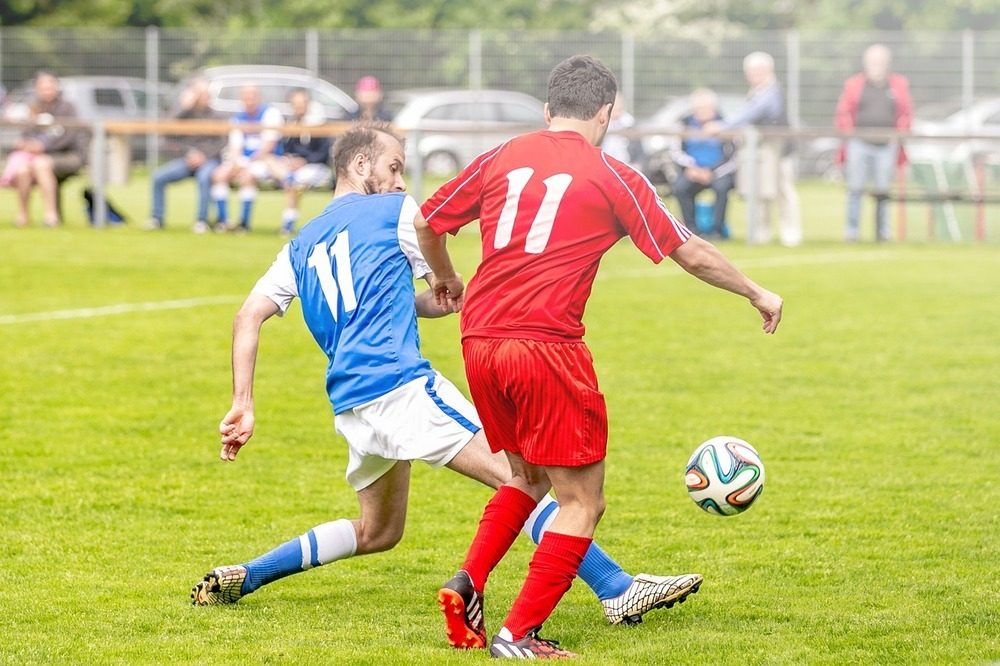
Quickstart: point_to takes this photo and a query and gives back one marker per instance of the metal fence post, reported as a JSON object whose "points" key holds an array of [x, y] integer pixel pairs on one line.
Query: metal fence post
{"points": [[1, 54], [312, 51], [968, 73], [751, 137], [628, 71], [152, 94], [475, 59], [99, 173], [792, 48], [417, 166]]}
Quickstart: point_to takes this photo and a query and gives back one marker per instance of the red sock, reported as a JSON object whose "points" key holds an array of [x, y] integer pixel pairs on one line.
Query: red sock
{"points": [[550, 574], [502, 520]]}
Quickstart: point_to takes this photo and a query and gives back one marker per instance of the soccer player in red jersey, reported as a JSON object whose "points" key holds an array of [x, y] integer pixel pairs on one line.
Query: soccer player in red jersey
{"points": [[550, 204]]}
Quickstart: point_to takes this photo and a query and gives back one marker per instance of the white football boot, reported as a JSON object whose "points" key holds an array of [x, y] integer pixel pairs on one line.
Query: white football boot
{"points": [[647, 593], [222, 585]]}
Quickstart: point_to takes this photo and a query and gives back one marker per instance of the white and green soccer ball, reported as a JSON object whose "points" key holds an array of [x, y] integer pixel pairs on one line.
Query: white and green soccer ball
{"points": [[724, 476]]}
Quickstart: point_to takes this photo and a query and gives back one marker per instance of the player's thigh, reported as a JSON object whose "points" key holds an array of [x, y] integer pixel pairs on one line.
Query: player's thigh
{"points": [[478, 462], [488, 388]]}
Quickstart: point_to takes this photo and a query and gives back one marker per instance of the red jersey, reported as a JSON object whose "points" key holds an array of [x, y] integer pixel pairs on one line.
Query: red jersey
{"points": [[550, 205]]}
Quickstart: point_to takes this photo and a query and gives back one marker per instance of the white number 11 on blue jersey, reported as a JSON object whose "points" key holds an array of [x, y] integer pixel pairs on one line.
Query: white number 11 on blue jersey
{"points": [[344, 283]]}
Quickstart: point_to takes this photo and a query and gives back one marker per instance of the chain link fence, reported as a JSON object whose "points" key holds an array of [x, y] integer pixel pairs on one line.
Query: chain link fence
{"points": [[941, 66]]}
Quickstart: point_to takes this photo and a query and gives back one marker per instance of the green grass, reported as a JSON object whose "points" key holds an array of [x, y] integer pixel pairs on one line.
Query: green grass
{"points": [[875, 408]]}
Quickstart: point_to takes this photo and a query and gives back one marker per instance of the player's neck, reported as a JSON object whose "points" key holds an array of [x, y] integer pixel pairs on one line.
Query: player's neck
{"points": [[588, 129], [346, 186]]}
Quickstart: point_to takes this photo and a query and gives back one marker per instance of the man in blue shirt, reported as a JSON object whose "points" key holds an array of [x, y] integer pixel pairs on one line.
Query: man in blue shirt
{"points": [[705, 163], [353, 268]]}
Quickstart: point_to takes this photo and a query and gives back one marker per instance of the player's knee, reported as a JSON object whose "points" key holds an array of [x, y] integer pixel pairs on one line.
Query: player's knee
{"points": [[42, 164], [379, 538]]}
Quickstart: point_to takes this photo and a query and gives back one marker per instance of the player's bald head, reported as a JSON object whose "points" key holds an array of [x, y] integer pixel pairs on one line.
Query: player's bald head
{"points": [[579, 86]]}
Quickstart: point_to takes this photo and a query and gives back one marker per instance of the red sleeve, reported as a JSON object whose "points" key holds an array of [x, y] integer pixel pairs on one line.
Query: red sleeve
{"points": [[456, 203], [639, 210], [847, 105]]}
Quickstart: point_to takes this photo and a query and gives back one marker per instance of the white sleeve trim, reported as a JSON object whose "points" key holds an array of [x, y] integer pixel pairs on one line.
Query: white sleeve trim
{"points": [[278, 283], [407, 235]]}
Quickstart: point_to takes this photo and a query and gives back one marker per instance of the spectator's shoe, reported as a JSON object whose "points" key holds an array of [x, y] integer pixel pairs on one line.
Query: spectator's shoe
{"points": [[532, 646], [222, 585], [647, 593], [153, 224], [463, 613], [200, 227], [287, 229]]}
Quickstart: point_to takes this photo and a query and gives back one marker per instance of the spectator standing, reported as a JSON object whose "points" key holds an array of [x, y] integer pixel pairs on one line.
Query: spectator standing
{"points": [[249, 157], [880, 99], [305, 162], [46, 153], [368, 95], [201, 157], [775, 167], [705, 163]]}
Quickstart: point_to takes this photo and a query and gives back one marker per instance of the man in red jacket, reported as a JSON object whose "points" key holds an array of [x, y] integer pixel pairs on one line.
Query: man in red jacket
{"points": [[873, 98]]}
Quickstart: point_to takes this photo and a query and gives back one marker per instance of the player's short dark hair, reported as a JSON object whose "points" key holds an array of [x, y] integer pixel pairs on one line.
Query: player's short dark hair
{"points": [[579, 86], [359, 140]]}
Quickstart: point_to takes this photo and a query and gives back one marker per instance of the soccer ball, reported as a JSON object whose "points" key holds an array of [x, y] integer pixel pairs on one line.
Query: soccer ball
{"points": [[724, 476]]}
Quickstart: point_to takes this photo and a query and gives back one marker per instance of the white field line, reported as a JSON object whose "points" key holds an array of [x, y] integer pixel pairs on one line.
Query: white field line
{"points": [[650, 271], [757, 262], [118, 308]]}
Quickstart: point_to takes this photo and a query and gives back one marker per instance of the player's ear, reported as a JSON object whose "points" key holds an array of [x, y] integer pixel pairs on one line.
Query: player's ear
{"points": [[358, 163], [604, 115], [545, 112]]}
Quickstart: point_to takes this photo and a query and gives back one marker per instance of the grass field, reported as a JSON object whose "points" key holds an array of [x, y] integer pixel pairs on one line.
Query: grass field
{"points": [[875, 408]]}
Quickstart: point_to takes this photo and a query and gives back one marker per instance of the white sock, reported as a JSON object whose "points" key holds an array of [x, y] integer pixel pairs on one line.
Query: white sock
{"points": [[248, 193], [505, 634], [220, 191], [335, 540], [290, 215], [540, 519]]}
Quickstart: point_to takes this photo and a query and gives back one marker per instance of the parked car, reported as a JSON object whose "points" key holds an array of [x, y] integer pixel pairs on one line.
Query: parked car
{"points": [[982, 118], [275, 84], [441, 115], [95, 97]]}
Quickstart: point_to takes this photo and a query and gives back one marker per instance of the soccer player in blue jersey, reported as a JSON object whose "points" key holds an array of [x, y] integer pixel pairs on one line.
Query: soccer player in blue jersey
{"points": [[353, 268]]}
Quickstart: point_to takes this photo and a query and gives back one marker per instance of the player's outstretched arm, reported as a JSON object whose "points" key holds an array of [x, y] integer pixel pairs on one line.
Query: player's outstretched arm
{"points": [[446, 284], [703, 260], [237, 425]]}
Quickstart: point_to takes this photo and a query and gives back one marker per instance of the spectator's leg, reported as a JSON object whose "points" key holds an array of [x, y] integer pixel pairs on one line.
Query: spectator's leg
{"points": [[23, 181], [722, 186], [854, 176], [788, 199], [248, 194], [291, 214], [204, 178], [220, 191], [685, 192], [170, 172], [885, 168], [43, 172]]}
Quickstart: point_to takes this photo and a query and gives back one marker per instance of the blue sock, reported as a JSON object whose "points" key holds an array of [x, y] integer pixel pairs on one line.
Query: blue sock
{"points": [[601, 573], [284, 560], [245, 211], [223, 208]]}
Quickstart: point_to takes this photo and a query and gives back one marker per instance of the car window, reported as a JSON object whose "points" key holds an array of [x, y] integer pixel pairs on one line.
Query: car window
{"points": [[461, 111], [521, 114], [993, 120], [229, 93], [274, 93], [109, 97]]}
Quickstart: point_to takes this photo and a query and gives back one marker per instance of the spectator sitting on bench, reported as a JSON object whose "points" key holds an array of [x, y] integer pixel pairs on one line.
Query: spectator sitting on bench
{"points": [[305, 162], [201, 157], [249, 157], [705, 163], [47, 153]]}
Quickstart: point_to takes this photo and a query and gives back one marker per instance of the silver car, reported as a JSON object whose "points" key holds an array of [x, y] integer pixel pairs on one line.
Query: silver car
{"points": [[457, 125], [275, 84]]}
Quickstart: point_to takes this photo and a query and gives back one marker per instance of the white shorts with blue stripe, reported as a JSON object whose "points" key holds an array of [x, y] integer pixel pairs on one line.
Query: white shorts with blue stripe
{"points": [[426, 419]]}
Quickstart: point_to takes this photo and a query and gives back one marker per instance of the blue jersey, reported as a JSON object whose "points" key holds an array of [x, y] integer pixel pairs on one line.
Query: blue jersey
{"points": [[353, 268], [252, 141]]}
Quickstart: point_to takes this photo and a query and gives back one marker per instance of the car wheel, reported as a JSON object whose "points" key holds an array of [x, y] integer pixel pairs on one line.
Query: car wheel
{"points": [[441, 163]]}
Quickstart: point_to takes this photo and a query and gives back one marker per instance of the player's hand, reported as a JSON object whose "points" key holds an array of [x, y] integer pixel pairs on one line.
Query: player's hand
{"points": [[769, 306], [448, 292], [235, 430]]}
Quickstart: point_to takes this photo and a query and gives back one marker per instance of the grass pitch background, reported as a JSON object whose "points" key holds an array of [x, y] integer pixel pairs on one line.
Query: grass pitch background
{"points": [[875, 408]]}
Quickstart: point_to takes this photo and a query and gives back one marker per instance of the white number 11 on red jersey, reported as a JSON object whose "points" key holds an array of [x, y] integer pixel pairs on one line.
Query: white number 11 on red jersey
{"points": [[541, 227]]}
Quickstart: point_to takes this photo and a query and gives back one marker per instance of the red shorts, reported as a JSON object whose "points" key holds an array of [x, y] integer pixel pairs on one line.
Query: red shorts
{"points": [[538, 400]]}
